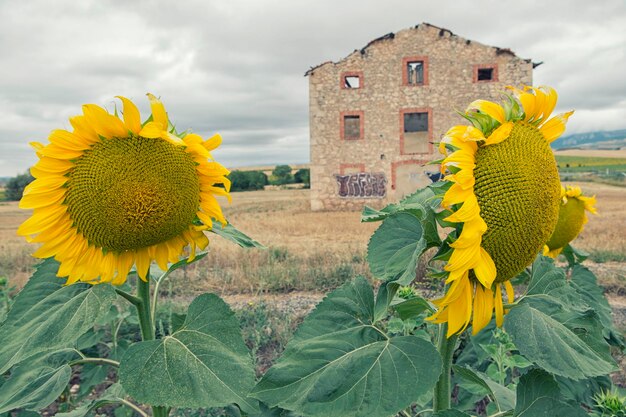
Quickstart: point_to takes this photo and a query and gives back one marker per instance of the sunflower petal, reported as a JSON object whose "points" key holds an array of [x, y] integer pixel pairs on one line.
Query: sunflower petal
{"points": [[555, 127], [132, 118], [488, 107], [159, 115]]}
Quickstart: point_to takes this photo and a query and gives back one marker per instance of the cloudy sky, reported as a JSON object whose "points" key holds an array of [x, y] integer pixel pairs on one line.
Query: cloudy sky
{"points": [[236, 67]]}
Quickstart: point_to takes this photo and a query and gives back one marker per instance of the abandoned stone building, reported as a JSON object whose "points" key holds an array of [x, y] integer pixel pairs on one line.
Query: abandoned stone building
{"points": [[375, 114]]}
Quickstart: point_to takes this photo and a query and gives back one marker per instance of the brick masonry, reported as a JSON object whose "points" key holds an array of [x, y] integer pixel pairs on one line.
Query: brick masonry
{"points": [[450, 83]]}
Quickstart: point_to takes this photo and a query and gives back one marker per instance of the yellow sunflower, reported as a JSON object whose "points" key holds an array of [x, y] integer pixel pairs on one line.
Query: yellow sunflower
{"points": [[572, 218], [504, 194], [114, 193]]}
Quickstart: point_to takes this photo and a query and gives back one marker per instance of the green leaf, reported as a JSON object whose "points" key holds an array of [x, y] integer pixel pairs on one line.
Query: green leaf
{"points": [[385, 295], [583, 391], [47, 316], [205, 363], [395, 247], [113, 395], [451, 413], [478, 383], [547, 279], [36, 384], [586, 285], [340, 364], [562, 342], [185, 262], [574, 256], [418, 203], [412, 307], [538, 395], [178, 320], [372, 215], [231, 233]]}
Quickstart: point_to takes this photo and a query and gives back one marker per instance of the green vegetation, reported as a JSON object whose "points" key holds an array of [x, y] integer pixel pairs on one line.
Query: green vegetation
{"points": [[303, 175], [585, 163], [610, 403], [247, 180], [592, 169], [15, 186], [281, 175], [601, 256]]}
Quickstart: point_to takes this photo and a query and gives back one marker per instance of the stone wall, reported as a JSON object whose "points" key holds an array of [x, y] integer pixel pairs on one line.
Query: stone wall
{"points": [[450, 70]]}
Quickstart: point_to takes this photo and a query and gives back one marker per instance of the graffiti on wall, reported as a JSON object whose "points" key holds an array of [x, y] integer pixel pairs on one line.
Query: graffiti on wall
{"points": [[362, 185]]}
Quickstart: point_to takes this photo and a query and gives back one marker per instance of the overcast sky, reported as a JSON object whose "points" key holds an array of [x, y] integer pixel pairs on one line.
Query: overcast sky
{"points": [[237, 67]]}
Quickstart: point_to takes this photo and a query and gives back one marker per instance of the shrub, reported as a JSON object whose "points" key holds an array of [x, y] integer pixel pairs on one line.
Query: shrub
{"points": [[303, 175], [282, 175], [247, 180], [15, 186]]}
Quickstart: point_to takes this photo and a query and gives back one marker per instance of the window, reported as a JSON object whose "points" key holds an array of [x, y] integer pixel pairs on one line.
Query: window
{"points": [[485, 73], [415, 131], [415, 71], [352, 125], [351, 80]]}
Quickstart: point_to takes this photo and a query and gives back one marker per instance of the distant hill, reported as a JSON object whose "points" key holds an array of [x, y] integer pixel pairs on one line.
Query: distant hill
{"points": [[613, 138]]}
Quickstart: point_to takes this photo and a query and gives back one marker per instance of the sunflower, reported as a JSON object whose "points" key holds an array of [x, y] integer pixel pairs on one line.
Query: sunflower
{"points": [[503, 194], [114, 193], [572, 217]]}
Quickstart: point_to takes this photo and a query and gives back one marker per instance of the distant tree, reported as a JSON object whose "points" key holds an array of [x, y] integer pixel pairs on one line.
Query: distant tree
{"points": [[257, 180], [303, 175], [247, 180], [282, 175], [15, 186]]}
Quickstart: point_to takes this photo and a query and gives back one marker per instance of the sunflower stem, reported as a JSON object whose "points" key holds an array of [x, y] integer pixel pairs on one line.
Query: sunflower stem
{"points": [[147, 326], [445, 346], [143, 309], [97, 361]]}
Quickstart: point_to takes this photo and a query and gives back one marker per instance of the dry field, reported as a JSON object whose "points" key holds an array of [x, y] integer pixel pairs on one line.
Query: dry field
{"points": [[313, 251]]}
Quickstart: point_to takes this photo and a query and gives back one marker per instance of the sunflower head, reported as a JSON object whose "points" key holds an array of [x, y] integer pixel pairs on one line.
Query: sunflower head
{"points": [[504, 196], [113, 193], [572, 217]]}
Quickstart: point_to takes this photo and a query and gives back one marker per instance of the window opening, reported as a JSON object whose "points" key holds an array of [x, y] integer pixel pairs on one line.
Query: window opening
{"points": [[415, 72], [352, 81], [485, 74], [352, 127]]}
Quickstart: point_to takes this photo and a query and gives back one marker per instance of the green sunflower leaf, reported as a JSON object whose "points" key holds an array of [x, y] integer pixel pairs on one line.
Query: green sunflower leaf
{"points": [[205, 363], [561, 341], [35, 384], [47, 315], [412, 307], [538, 395], [451, 413], [230, 232], [477, 383], [113, 395], [586, 285], [340, 364], [395, 247], [574, 256]]}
